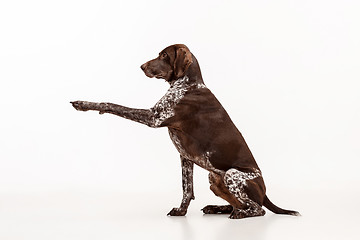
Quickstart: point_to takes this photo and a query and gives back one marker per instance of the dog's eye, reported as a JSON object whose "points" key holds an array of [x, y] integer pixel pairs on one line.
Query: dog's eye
{"points": [[163, 55]]}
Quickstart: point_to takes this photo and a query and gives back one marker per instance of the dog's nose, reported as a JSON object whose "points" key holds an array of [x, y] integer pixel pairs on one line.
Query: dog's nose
{"points": [[143, 67]]}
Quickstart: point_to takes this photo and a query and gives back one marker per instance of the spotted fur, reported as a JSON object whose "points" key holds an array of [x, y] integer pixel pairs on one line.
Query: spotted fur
{"points": [[236, 181], [164, 108], [187, 186]]}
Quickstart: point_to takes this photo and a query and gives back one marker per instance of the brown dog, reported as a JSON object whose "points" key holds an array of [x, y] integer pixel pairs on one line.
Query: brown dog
{"points": [[203, 133]]}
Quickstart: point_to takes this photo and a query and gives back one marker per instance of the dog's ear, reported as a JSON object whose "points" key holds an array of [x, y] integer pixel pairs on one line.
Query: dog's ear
{"points": [[183, 59]]}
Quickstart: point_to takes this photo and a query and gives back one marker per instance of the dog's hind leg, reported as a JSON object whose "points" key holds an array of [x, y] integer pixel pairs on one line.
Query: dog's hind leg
{"points": [[245, 187], [234, 187], [188, 189], [218, 187]]}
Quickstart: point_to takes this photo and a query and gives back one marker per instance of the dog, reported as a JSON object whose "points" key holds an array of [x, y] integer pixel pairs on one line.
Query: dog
{"points": [[202, 133]]}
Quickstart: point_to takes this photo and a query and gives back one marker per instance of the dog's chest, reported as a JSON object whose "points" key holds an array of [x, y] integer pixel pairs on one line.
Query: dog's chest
{"points": [[201, 159], [164, 108]]}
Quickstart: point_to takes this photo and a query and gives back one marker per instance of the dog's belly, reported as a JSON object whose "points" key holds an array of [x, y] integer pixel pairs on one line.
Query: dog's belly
{"points": [[199, 158]]}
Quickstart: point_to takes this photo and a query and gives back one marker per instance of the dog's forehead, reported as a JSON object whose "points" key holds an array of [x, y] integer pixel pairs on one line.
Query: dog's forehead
{"points": [[169, 49], [174, 47]]}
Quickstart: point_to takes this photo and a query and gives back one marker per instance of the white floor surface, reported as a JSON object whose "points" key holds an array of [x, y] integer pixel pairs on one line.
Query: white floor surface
{"points": [[110, 215]]}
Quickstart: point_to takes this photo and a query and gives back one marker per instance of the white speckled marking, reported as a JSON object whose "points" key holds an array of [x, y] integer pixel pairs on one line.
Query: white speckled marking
{"points": [[187, 181], [235, 181], [164, 108]]}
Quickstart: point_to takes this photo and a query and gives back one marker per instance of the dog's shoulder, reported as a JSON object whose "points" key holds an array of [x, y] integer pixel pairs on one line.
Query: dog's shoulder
{"points": [[198, 100], [197, 106]]}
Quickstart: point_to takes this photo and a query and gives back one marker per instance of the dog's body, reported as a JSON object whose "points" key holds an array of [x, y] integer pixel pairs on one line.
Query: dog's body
{"points": [[203, 134]]}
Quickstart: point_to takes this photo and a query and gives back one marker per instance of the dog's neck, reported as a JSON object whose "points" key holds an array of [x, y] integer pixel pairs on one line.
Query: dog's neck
{"points": [[185, 82], [193, 74]]}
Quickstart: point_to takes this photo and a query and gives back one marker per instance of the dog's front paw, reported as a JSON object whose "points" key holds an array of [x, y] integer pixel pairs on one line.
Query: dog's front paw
{"points": [[80, 105], [177, 212]]}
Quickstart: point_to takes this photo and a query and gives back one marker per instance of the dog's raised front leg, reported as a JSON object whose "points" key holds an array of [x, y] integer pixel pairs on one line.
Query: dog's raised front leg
{"points": [[188, 189], [144, 116]]}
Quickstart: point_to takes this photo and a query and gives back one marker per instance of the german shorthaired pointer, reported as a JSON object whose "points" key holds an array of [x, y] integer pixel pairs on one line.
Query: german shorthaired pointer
{"points": [[203, 133]]}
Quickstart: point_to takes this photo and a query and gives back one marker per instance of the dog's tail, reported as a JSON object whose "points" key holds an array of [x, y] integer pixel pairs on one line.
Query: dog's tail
{"points": [[275, 209]]}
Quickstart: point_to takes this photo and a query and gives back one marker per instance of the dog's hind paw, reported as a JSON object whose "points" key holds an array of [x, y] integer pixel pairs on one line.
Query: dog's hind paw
{"points": [[245, 213], [214, 209]]}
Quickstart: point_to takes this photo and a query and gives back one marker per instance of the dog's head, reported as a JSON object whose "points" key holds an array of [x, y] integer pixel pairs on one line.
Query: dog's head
{"points": [[172, 63]]}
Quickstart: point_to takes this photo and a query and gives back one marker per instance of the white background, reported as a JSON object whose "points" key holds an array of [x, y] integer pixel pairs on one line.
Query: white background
{"points": [[287, 72]]}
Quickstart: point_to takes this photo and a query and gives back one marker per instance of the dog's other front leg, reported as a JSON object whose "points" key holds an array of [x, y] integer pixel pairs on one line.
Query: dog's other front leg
{"points": [[144, 116], [188, 189]]}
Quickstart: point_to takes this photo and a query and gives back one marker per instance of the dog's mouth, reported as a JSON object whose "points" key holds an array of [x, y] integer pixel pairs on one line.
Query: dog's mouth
{"points": [[151, 74], [154, 73], [159, 76]]}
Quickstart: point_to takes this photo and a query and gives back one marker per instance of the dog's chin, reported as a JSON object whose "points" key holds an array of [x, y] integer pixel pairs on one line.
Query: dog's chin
{"points": [[150, 75], [166, 77], [159, 77]]}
